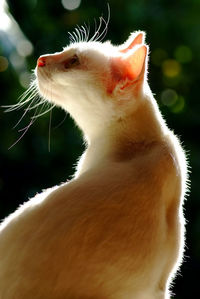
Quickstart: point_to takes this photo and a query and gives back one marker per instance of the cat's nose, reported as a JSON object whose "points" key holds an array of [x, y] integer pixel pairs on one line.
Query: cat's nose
{"points": [[41, 61], [51, 59]]}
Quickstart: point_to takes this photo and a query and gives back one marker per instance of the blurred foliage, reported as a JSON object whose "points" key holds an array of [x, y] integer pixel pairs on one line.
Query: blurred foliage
{"points": [[172, 29]]}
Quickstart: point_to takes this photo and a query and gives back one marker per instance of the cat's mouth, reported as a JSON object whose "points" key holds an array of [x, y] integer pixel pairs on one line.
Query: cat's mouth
{"points": [[43, 73], [45, 85]]}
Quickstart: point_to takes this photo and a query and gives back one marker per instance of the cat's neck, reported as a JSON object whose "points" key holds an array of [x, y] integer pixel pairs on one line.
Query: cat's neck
{"points": [[124, 138]]}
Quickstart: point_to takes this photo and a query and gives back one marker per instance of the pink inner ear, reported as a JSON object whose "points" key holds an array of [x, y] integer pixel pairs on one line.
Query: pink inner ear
{"points": [[136, 63], [128, 71], [137, 41]]}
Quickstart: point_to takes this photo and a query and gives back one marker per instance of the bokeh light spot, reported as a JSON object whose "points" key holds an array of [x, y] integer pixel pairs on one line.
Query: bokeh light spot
{"points": [[17, 61], [158, 56], [183, 54], [71, 4], [25, 79], [171, 82], [5, 22], [179, 106], [24, 48], [171, 68], [3, 63], [169, 97]]}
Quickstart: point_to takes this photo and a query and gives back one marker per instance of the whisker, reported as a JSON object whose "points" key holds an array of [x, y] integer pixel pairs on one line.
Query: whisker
{"points": [[79, 35], [36, 105], [97, 35], [32, 121], [26, 129], [29, 94], [30, 107], [100, 34], [75, 37], [41, 108], [61, 122], [104, 32], [95, 31], [15, 106], [87, 28], [33, 100], [71, 37], [40, 114], [50, 121], [80, 30], [84, 33], [25, 111]]}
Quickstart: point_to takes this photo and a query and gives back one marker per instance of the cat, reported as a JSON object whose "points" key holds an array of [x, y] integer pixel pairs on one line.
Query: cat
{"points": [[116, 230]]}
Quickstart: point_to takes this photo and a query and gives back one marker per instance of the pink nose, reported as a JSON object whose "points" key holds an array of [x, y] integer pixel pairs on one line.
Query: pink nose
{"points": [[41, 62]]}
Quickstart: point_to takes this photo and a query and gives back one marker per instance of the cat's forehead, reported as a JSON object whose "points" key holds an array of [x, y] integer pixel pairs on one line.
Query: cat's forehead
{"points": [[105, 48]]}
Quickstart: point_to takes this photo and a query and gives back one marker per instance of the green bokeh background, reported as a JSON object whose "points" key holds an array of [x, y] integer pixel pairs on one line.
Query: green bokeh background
{"points": [[173, 33]]}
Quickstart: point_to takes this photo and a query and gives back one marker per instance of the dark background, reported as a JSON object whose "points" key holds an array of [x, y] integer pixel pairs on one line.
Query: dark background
{"points": [[173, 32]]}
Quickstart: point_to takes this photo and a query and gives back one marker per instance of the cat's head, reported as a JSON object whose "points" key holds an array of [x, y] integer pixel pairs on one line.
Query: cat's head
{"points": [[95, 82]]}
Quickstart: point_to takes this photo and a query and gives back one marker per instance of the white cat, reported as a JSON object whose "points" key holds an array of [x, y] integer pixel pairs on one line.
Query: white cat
{"points": [[116, 230]]}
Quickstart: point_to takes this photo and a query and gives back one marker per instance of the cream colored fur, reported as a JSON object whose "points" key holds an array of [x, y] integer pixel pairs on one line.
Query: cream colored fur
{"points": [[116, 230]]}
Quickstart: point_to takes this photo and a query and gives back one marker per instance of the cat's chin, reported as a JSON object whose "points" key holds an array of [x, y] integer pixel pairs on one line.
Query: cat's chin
{"points": [[48, 92]]}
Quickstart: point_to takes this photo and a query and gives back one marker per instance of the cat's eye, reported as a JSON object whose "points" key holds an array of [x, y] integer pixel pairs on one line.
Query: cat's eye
{"points": [[73, 61]]}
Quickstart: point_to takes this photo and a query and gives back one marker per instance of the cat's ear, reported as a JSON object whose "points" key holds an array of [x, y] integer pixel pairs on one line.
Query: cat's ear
{"points": [[133, 40], [129, 70]]}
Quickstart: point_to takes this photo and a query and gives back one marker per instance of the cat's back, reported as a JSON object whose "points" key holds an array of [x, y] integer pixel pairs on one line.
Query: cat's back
{"points": [[96, 231]]}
